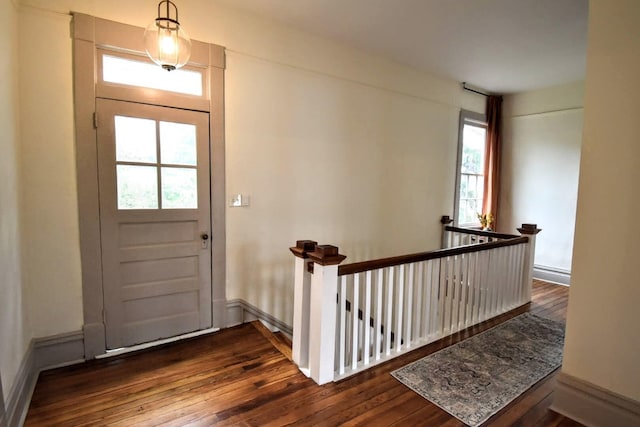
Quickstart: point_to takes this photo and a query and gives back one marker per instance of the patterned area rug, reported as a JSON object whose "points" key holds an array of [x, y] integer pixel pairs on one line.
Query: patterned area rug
{"points": [[475, 378]]}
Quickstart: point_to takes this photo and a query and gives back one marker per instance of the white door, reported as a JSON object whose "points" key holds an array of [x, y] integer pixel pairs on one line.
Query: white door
{"points": [[153, 166]]}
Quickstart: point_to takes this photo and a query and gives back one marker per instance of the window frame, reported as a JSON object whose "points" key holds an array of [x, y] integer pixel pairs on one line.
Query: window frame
{"points": [[147, 95], [474, 119]]}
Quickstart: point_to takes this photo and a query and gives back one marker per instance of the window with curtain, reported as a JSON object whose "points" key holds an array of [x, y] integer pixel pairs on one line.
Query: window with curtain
{"points": [[470, 169]]}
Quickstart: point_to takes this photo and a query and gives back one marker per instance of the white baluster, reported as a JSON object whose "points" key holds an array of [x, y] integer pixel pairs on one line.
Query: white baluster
{"points": [[434, 286], [355, 304], [465, 291], [484, 286], [419, 303], [410, 302], [399, 307], [388, 319], [366, 319], [342, 306], [378, 322], [449, 293], [456, 278]]}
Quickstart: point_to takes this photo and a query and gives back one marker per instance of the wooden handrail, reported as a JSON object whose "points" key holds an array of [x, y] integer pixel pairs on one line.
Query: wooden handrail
{"points": [[359, 267], [480, 232]]}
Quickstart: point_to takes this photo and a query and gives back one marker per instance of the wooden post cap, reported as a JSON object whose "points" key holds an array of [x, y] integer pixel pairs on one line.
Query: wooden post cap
{"points": [[529, 229], [303, 247], [326, 255], [446, 219]]}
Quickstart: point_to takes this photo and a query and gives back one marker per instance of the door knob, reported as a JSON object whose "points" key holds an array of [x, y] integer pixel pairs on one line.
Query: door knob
{"points": [[204, 236]]}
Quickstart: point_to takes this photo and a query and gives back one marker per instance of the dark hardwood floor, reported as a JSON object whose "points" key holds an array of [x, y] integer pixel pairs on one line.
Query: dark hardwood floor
{"points": [[239, 377]]}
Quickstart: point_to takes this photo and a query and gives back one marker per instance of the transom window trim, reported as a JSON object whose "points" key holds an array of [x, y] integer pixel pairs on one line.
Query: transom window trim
{"points": [[131, 76]]}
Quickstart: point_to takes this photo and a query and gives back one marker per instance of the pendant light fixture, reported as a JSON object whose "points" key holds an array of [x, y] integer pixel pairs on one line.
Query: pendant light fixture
{"points": [[166, 43]]}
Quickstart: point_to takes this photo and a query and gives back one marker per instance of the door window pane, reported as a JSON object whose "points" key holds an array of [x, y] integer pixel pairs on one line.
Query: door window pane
{"points": [[178, 143], [179, 188], [135, 139], [137, 187]]}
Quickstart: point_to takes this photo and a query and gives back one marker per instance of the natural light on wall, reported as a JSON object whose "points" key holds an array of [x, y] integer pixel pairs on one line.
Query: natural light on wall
{"points": [[144, 74]]}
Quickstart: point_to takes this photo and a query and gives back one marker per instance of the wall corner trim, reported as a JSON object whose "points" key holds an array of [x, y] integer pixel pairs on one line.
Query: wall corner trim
{"points": [[239, 311], [42, 353], [552, 274], [3, 418], [20, 393], [592, 405]]}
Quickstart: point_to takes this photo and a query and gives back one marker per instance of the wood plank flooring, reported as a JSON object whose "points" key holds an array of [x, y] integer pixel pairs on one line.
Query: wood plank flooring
{"points": [[238, 377]]}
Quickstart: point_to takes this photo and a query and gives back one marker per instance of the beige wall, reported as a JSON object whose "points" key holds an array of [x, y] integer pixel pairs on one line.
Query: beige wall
{"points": [[14, 332], [331, 160], [542, 134], [330, 143], [602, 343], [50, 216]]}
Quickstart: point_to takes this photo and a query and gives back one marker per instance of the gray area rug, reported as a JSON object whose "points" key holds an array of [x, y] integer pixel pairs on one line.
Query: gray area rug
{"points": [[475, 378]]}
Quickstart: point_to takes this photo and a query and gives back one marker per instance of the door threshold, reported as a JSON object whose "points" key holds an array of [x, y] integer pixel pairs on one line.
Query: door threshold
{"points": [[143, 346]]}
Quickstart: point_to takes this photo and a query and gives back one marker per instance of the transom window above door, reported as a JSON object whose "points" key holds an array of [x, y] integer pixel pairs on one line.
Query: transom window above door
{"points": [[156, 164], [142, 73]]}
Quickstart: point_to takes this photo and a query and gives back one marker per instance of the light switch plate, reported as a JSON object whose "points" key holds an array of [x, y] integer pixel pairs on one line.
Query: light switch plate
{"points": [[239, 200]]}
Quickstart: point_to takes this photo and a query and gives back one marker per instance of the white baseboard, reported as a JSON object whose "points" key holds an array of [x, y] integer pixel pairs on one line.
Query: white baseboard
{"points": [[592, 405], [552, 274], [22, 389], [3, 418], [239, 311], [59, 350], [42, 353]]}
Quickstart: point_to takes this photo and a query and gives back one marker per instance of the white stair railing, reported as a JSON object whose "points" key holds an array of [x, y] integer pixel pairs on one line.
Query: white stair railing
{"points": [[348, 318]]}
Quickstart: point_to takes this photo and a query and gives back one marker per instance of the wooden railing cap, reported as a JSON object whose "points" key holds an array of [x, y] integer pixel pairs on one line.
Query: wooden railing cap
{"points": [[480, 232], [303, 247], [326, 255], [360, 267], [529, 229]]}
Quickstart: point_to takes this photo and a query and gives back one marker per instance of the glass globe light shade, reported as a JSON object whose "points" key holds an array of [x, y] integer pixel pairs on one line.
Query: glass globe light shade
{"points": [[167, 44]]}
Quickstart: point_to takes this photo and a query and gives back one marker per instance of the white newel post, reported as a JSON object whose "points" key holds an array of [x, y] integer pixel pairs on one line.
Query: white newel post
{"points": [[529, 230], [301, 304], [445, 220], [322, 320]]}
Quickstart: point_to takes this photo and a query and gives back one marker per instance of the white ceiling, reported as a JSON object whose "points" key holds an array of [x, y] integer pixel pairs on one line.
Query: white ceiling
{"points": [[502, 46]]}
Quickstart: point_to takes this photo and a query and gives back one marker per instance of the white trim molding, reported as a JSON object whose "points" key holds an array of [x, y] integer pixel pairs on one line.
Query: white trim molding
{"points": [[42, 353], [592, 405], [59, 350], [22, 389], [552, 274], [239, 311], [3, 419]]}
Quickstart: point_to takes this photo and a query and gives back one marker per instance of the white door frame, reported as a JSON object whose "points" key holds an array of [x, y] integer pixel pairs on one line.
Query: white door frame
{"points": [[90, 34]]}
